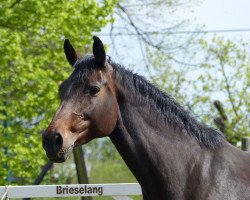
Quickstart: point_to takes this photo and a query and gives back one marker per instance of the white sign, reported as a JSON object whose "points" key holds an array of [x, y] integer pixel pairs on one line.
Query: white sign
{"points": [[121, 189]]}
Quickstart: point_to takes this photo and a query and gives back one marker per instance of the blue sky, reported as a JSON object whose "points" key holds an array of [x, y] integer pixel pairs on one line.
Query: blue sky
{"points": [[213, 14], [224, 14]]}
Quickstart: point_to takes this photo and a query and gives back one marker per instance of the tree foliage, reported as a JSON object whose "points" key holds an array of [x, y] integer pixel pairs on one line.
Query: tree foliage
{"points": [[195, 71], [32, 64], [221, 72], [150, 25], [226, 76]]}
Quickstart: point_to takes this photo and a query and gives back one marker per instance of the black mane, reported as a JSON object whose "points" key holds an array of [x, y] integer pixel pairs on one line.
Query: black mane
{"points": [[174, 113], [146, 92]]}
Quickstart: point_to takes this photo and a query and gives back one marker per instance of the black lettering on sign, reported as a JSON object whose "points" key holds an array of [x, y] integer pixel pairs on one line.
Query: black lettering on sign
{"points": [[71, 190], [100, 190], [58, 190], [79, 190], [76, 190]]}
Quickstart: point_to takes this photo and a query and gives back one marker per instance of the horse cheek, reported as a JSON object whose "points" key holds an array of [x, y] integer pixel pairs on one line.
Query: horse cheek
{"points": [[108, 116]]}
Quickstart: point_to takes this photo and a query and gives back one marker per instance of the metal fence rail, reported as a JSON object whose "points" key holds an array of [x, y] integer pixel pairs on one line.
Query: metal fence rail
{"points": [[117, 191]]}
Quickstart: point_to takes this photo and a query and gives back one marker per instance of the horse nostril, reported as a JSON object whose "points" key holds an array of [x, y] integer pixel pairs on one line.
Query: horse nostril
{"points": [[58, 142]]}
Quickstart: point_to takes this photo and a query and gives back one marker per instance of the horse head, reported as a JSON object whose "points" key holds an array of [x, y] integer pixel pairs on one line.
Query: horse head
{"points": [[88, 108]]}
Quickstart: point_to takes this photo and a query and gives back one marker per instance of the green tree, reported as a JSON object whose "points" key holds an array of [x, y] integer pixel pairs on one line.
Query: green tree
{"points": [[221, 72], [32, 64], [226, 75]]}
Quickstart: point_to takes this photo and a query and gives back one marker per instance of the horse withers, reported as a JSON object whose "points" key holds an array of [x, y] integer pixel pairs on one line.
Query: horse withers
{"points": [[171, 154]]}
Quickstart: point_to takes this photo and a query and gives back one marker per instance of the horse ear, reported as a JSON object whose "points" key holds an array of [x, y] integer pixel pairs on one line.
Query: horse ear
{"points": [[99, 51], [70, 52]]}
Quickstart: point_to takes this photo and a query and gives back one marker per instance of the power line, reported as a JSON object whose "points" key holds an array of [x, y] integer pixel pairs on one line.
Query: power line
{"points": [[151, 4], [177, 32], [145, 4]]}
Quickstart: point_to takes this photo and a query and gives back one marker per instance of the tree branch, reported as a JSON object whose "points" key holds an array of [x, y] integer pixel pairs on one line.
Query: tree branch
{"points": [[16, 2], [228, 88]]}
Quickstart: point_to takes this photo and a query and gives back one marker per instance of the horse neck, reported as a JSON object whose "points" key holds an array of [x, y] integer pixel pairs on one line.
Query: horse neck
{"points": [[157, 153]]}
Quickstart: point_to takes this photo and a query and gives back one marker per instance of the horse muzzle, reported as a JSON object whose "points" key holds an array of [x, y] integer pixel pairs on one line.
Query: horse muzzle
{"points": [[53, 145]]}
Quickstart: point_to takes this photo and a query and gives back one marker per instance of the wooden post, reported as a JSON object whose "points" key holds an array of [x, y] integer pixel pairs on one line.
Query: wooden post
{"points": [[81, 168], [245, 143]]}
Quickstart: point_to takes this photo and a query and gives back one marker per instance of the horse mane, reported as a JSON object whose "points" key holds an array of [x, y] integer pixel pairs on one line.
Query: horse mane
{"points": [[143, 91]]}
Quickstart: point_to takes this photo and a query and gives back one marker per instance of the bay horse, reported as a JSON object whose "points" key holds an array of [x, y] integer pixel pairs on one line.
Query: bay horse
{"points": [[171, 154]]}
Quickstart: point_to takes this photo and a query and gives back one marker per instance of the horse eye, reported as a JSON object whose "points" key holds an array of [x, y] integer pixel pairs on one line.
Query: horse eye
{"points": [[93, 90]]}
